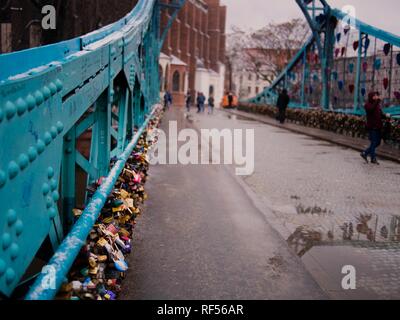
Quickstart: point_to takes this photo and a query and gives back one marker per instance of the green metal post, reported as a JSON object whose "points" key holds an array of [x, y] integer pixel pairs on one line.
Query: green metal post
{"points": [[122, 119], [68, 178], [358, 74], [101, 137]]}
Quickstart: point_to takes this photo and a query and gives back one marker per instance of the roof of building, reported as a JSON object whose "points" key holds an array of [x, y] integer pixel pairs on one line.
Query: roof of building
{"points": [[177, 62], [164, 56]]}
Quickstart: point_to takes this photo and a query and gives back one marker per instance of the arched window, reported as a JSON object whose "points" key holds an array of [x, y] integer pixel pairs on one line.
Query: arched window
{"points": [[176, 81]]}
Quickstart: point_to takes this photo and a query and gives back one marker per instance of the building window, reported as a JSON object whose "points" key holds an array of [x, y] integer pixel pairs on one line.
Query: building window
{"points": [[249, 90], [5, 37], [176, 82], [250, 77], [257, 90]]}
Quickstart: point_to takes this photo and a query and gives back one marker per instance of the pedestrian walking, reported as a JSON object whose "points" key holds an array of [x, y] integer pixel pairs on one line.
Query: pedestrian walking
{"points": [[374, 125], [230, 100], [201, 99], [211, 105], [283, 102], [188, 101], [167, 100], [198, 99]]}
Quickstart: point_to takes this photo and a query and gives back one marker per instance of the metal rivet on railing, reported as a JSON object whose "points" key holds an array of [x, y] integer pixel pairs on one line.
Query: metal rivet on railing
{"points": [[59, 85], [53, 132], [53, 184], [21, 106], [46, 92], [10, 276], [47, 138], [60, 127], [19, 227], [3, 178], [50, 172], [11, 217], [14, 251], [6, 240], [13, 169], [32, 154], [31, 102], [52, 213], [49, 202], [53, 88], [2, 267], [40, 146], [10, 110], [39, 98], [23, 161], [56, 196], [45, 189]]}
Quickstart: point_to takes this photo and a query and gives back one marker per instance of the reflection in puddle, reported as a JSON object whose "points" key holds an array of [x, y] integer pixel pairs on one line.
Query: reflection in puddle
{"points": [[239, 118], [313, 210], [367, 229], [370, 242]]}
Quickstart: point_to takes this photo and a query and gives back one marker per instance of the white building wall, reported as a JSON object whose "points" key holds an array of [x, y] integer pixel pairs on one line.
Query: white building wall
{"points": [[243, 83], [206, 78]]}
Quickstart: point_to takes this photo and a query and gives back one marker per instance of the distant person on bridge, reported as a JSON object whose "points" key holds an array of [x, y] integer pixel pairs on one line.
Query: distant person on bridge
{"points": [[167, 100], [374, 125], [283, 102], [211, 103], [188, 101], [201, 100], [230, 100]]}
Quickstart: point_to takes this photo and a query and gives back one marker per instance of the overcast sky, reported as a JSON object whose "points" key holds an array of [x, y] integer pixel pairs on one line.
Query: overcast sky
{"points": [[384, 14]]}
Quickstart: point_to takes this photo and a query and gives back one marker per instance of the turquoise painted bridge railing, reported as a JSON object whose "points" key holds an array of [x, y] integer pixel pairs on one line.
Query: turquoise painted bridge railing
{"points": [[340, 63], [105, 82]]}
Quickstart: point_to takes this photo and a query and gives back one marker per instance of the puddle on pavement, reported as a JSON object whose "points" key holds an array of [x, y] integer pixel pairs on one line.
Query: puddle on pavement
{"points": [[239, 118], [313, 210], [369, 242]]}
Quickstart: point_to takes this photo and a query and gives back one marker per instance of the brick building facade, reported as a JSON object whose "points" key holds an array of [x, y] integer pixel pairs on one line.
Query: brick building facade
{"points": [[20, 20], [194, 51]]}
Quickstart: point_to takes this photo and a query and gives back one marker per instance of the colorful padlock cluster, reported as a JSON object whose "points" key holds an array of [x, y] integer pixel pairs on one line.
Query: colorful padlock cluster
{"points": [[99, 269]]}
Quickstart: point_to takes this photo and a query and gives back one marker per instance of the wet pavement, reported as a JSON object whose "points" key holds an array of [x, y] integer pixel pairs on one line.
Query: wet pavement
{"points": [[309, 209], [203, 237], [331, 208]]}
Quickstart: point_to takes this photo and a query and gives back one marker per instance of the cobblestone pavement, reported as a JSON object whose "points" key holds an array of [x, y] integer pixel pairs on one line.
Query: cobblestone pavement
{"points": [[331, 207]]}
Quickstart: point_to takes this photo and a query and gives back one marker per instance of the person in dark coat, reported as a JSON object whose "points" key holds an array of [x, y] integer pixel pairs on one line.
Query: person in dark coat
{"points": [[211, 102], [230, 99], [167, 100], [283, 102], [201, 100], [188, 101], [198, 102], [374, 125]]}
